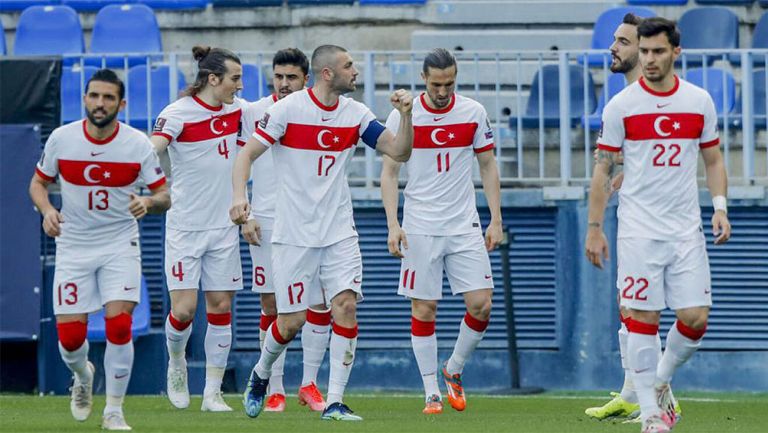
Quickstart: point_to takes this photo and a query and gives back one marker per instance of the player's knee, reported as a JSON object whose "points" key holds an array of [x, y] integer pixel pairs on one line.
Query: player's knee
{"points": [[424, 310], [72, 334], [182, 314], [693, 329], [268, 305], [481, 310], [118, 328], [290, 324], [345, 304], [219, 305]]}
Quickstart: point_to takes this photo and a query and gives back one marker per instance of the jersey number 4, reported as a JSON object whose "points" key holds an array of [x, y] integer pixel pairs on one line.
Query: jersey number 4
{"points": [[666, 156]]}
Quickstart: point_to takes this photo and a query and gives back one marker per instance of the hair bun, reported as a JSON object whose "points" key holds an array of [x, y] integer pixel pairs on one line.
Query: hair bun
{"points": [[199, 52]]}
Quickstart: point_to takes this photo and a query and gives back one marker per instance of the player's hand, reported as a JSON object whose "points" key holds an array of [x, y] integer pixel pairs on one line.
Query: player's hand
{"points": [[721, 227], [138, 206], [252, 232], [494, 235], [395, 239], [596, 246], [402, 100], [239, 211], [617, 181], [52, 223]]}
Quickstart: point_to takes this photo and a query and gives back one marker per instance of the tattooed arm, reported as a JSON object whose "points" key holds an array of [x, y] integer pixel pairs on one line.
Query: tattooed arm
{"points": [[600, 191]]}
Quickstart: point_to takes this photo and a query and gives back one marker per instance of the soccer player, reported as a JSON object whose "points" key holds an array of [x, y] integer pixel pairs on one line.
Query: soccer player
{"points": [[98, 162], [661, 123], [312, 134], [441, 222], [291, 73], [201, 244]]}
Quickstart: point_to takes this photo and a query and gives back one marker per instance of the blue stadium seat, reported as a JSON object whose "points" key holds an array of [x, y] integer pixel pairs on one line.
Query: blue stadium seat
{"points": [[245, 3], [93, 5], [139, 327], [605, 26], [393, 2], [615, 84], [726, 2], [758, 101], [175, 4], [72, 92], [2, 41], [764, 3], [251, 83], [657, 2], [125, 29], [550, 77], [49, 30], [720, 32], [137, 93], [320, 2], [723, 95], [20, 5]]}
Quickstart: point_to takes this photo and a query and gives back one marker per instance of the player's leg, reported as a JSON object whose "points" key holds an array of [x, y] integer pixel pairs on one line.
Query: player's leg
{"points": [[276, 393], [468, 268], [341, 275], [424, 344], [314, 342]]}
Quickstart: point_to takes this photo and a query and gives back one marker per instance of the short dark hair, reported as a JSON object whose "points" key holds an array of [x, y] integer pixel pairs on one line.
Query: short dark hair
{"points": [[107, 76], [632, 19], [209, 61], [650, 27], [439, 58], [291, 56], [320, 57]]}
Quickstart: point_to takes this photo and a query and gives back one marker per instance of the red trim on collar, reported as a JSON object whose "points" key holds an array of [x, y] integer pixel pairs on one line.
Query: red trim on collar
{"points": [[206, 106], [435, 111], [320, 104], [95, 140], [662, 94], [274, 97]]}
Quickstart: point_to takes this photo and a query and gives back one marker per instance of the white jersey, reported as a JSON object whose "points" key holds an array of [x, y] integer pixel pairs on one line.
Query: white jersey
{"points": [[263, 182], [203, 147], [440, 194], [97, 178], [313, 145], [660, 135]]}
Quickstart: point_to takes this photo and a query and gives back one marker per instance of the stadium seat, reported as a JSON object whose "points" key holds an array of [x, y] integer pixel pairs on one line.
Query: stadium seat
{"points": [[251, 83], [137, 93], [49, 30], [724, 96], [20, 5], [320, 2], [125, 29], [72, 92], [758, 101], [614, 85], [764, 3], [760, 35], [175, 4], [605, 26], [549, 75], [245, 3], [2, 41], [93, 5], [393, 2], [726, 2], [141, 317], [657, 2], [721, 31]]}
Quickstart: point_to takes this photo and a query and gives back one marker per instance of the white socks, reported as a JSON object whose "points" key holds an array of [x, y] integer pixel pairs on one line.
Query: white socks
{"points": [[471, 332], [118, 362], [176, 337], [424, 342], [314, 342], [218, 341], [682, 343], [343, 345], [77, 361]]}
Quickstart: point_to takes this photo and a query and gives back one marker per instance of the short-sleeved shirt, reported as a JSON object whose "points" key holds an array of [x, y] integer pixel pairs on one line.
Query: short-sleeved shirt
{"points": [[312, 145], [660, 135], [203, 148], [263, 183], [96, 179], [440, 194]]}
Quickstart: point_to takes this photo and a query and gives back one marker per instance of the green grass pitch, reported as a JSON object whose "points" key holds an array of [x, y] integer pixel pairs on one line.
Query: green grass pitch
{"points": [[390, 413]]}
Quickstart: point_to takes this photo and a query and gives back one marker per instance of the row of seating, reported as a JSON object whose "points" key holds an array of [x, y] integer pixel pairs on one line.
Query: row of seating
{"points": [[94, 5], [763, 3]]}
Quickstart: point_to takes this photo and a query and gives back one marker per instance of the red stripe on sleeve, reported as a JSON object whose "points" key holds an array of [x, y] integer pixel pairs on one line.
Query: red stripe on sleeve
{"points": [[44, 176], [608, 148], [712, 143], [160, 182], [162, 134], [485, 148], [265, 136]]}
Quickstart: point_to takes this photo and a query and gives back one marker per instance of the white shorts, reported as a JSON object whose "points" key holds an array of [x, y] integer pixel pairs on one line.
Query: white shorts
{"points": [[656, 274], [463, 257], [307, 276], [207, 258], [261, 258], [85, 280]]}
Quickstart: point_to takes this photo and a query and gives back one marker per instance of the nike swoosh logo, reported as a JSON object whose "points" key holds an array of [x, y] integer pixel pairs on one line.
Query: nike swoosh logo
{"points": [[346, 364], [640, 371], [269, 351], [357, 281], [662, 105], [121, 376], [437, 119], [96, 153], [325, 120], [128, 288], [224, 346], [707, 292], [234, 280], [319, 332], [487, 277], [174, 339]]}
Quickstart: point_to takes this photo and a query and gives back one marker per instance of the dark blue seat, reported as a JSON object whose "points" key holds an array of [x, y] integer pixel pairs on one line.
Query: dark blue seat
{"points": [[125, 29], [252, 83], [549, 75], [615, 84], [245, 3], [141, 318], [758, 101], [726, 2], [392, 2], [764, 3], [20, 5], [657, 2], [2, 41], [320, 2], [724, 94], [721, 31], [175, 4], [93, 5], [137, 93], [73, 82], [605, 26], [49, 30]]}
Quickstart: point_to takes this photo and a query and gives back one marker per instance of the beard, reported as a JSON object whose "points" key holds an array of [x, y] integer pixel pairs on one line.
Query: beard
{"points": [[100, 123], [623, 66]]}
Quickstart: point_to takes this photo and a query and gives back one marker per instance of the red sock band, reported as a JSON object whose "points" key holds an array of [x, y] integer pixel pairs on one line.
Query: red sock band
{"points": [[623, 319], [422, 329], [276, 334], [178, 325], [320, 318], [72, 334], [641, 327], [475, 324], [345, 332], [118, 328], [265, 321], [686, 331], [223, 319]]}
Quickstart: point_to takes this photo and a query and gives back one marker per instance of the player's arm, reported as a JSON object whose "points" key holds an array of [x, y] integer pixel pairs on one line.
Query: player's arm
{"points": [[38, 192], [399, 146], [160, 143], [717, 182], [240, 174], [156, 203], [390, 169], [599, 193], [489, 174]]}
